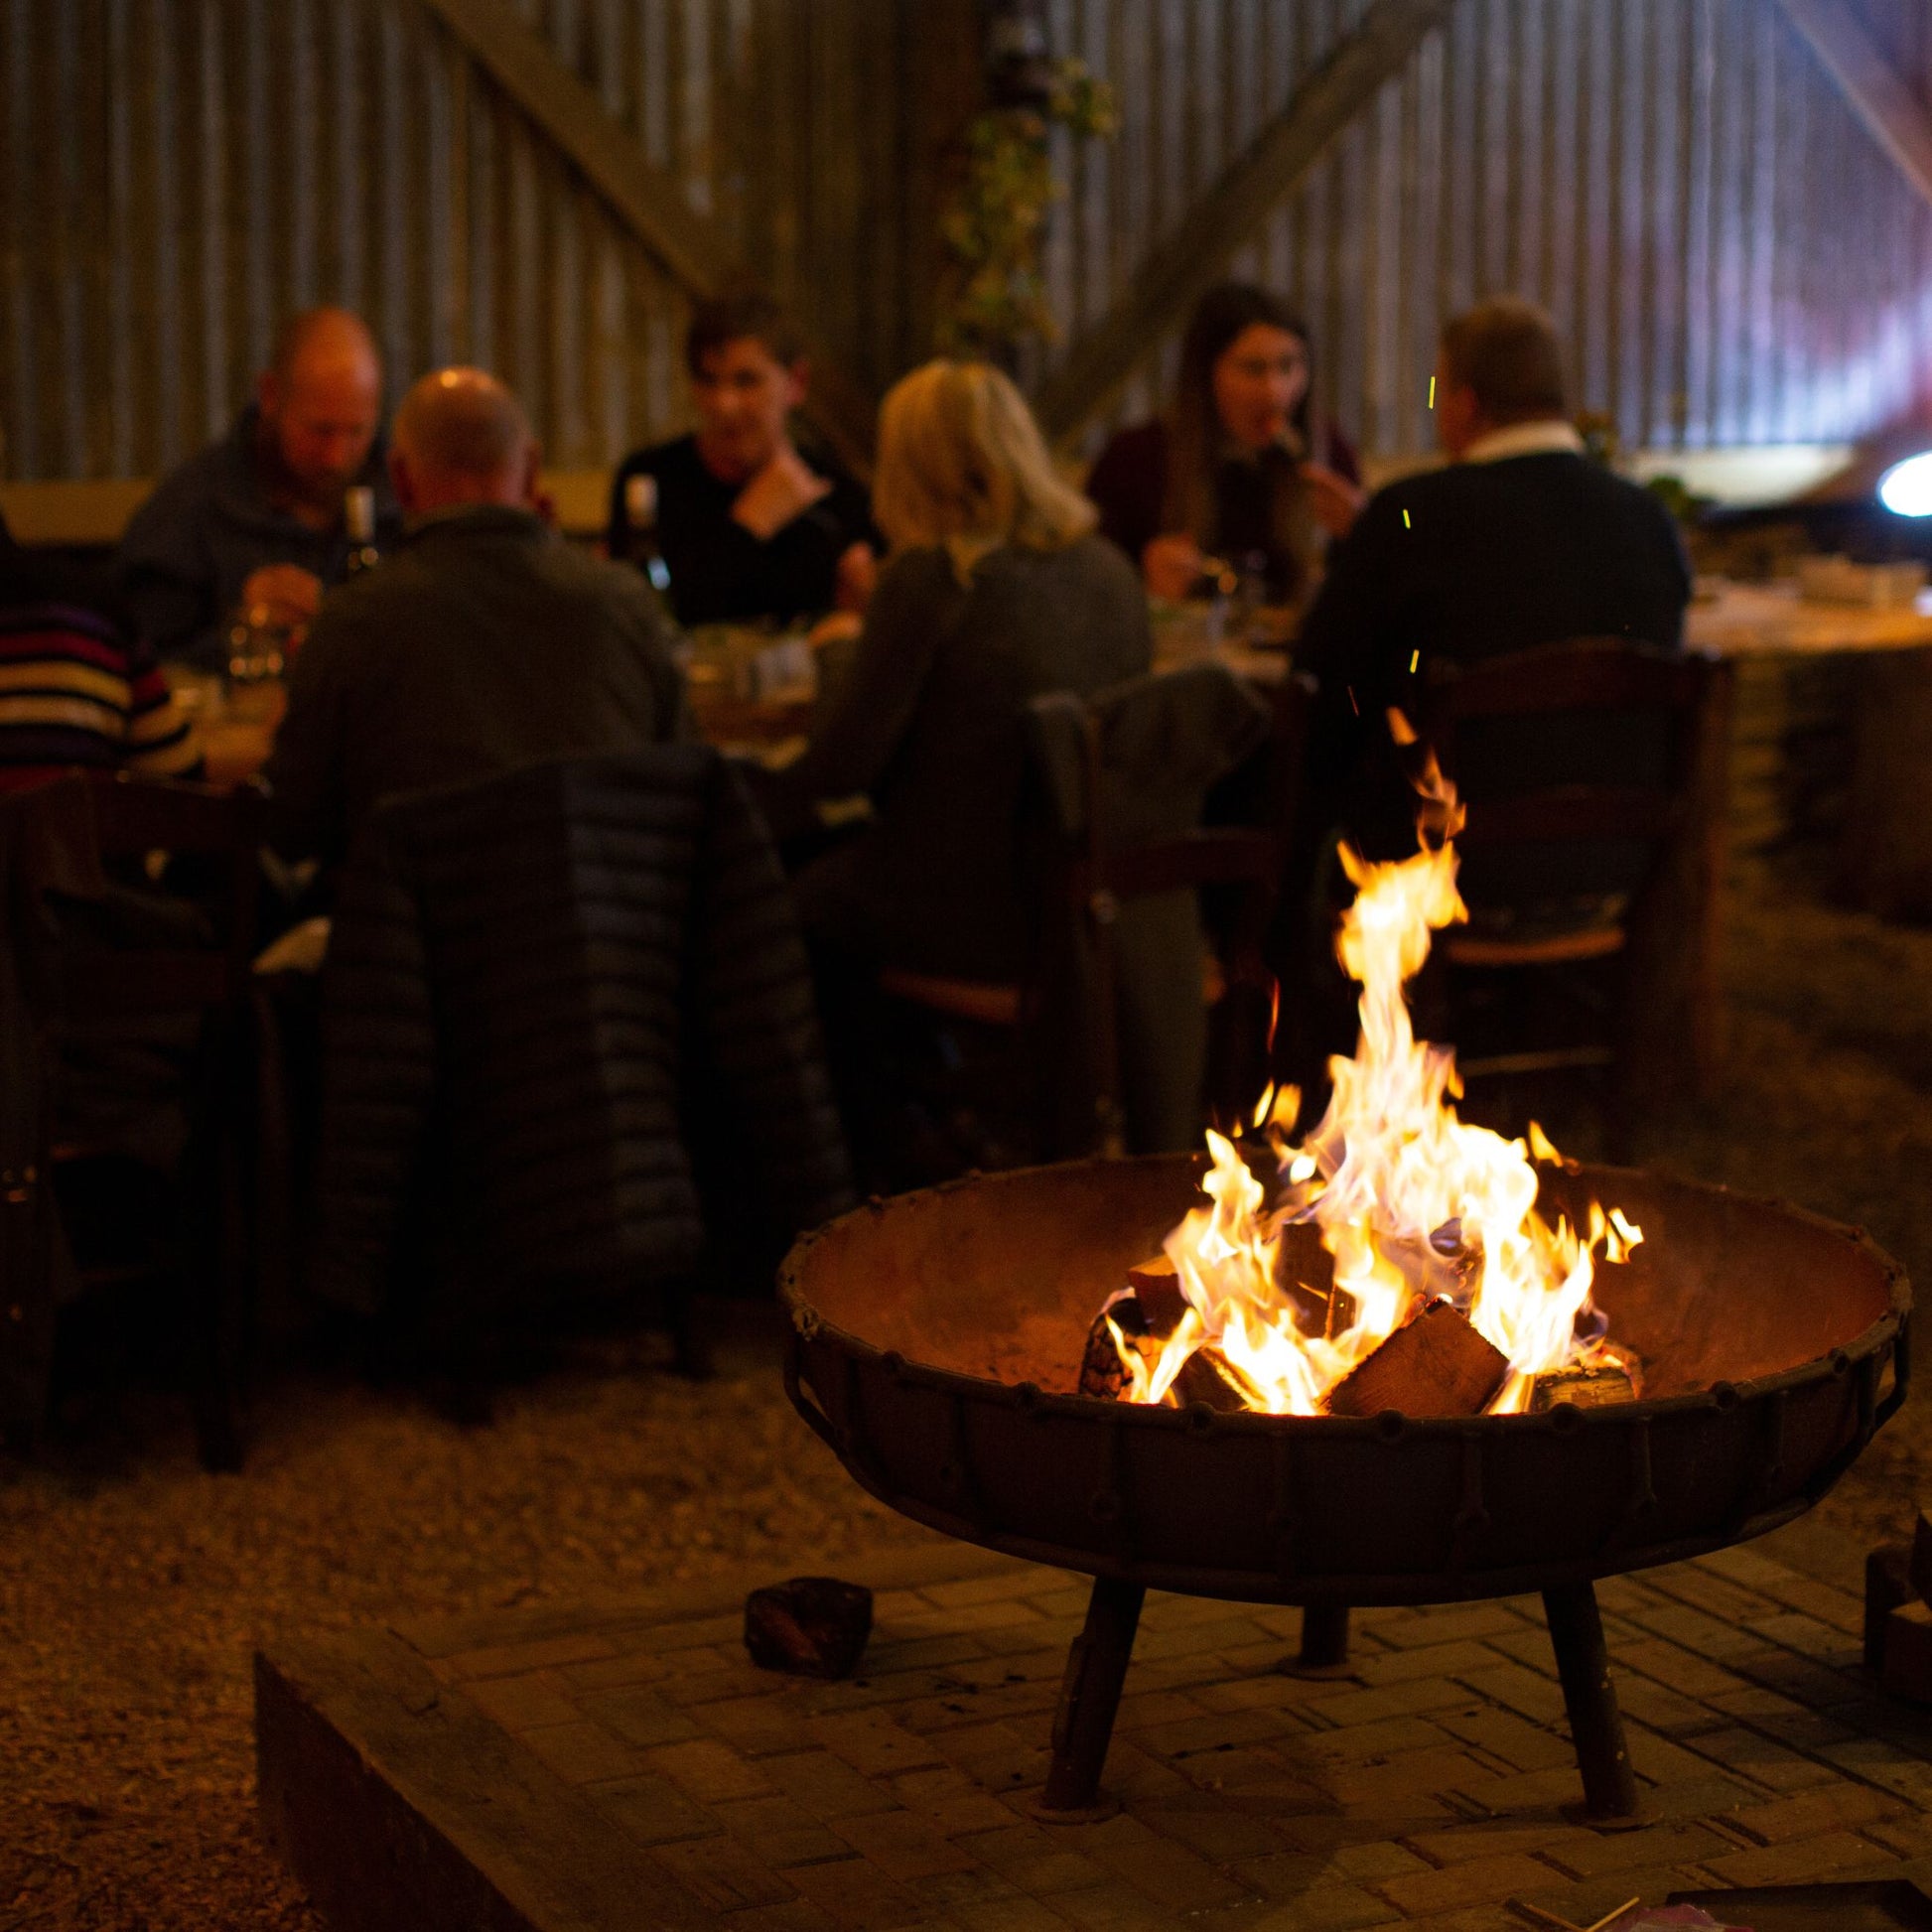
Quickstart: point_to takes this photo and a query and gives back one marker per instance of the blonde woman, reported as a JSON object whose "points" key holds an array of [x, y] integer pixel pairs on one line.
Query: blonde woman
{"points": [[996, 589]]}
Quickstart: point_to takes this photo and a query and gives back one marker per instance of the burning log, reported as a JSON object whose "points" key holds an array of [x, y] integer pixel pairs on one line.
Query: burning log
{"points": [[1593, 1387], [811, 1626], [1148, 1313], [1435, 1364], [1203, 1379], [1157, 1288]]}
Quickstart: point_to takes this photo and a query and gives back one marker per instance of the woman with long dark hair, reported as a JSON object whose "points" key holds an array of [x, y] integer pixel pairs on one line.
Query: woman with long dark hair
{"points": [[1240, 468]]}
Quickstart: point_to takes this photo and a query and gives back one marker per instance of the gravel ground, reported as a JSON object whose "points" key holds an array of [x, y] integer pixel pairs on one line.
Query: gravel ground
{"points": [[133, 1587]]}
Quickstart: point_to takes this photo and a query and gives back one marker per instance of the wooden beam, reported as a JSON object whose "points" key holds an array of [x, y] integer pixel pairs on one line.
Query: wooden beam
{"points": [[649, 201], [1196, 255], [1896, 118]]}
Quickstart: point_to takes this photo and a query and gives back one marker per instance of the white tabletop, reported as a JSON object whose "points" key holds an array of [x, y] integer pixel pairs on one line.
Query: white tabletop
{"points": [[1744, 620]]}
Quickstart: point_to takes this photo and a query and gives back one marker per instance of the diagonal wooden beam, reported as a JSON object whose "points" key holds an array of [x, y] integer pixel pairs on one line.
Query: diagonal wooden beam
{"points": [[1896, 118], [1191, 260], [644, 197]]}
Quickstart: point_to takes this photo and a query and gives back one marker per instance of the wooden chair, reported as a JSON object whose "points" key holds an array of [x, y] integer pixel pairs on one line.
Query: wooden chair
{"points": [[1086, 870], [216, 835], [1654, 956]]}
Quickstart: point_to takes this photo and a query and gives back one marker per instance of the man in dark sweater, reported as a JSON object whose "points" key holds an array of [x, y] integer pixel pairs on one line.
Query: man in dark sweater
{"points": [[486, 643], [747, 528], [256, 523], [1520, 541]]}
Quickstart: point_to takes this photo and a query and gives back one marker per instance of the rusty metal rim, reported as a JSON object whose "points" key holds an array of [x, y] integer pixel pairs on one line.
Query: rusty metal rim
{"points": [[1890, 1333], [1269, 1586]]}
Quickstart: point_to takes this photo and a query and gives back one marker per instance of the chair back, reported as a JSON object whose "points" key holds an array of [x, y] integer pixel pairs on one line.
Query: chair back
{"points": [[1588, 675], [1569, 800], [220, 833], [1124, 775]]}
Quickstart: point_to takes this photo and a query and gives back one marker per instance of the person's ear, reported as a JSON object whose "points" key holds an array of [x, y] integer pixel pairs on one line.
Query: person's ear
{"points": [[797, 383], [533, 474]]}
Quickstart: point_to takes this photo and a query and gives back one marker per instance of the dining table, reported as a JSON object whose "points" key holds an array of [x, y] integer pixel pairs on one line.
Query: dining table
{"points": [[1831, 724], [1831, 733]]}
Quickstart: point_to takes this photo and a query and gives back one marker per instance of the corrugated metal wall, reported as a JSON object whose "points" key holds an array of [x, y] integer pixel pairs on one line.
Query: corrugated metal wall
{"points": [[178, 174], [1731, 254], [1734, 257]]}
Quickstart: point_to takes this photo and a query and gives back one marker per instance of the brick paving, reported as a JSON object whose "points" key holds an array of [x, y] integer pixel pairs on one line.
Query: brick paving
{"points": [[1424, 1788]]}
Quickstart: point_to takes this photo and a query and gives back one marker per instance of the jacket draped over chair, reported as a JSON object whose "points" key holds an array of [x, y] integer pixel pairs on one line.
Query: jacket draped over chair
{"points": [[542, 990]]}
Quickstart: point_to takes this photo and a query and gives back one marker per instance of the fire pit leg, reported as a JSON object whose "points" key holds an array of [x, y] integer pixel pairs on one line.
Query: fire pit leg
{"points": [[1325, 1636], [1083, 1726], [1595, 1724]]}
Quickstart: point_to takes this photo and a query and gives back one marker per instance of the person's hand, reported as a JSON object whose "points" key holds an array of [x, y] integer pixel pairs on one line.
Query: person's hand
{"points": [[833, 628], [858, 571], [1335, 500], [285, 594], [784, 488], [1170, 567]]}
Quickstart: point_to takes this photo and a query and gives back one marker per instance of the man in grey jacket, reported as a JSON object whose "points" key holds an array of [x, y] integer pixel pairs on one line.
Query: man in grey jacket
{"points": [[484, 643]]}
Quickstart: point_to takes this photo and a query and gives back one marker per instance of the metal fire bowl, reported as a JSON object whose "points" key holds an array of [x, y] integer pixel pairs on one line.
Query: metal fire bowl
{"points": [[936, 1342]]}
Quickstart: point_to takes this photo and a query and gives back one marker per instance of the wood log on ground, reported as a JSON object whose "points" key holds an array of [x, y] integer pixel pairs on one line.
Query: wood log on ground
{"points": [[1888, 1585], [811, 1626], [1907, 1669], [1587, 1388], [1435, 1364]]}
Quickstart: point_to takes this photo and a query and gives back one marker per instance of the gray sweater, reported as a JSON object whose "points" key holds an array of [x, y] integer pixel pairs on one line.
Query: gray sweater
{"points": [[484, 644], [929, 726], [208, 528]]}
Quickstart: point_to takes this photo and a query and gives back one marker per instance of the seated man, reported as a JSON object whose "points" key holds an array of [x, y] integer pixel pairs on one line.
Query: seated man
{"points": [[256, 522], [746, 526], [74, 690], [486, 643], [1520, 541]]}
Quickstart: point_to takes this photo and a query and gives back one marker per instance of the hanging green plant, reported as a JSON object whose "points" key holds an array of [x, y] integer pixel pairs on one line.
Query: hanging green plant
{"points": [[996, 296]]}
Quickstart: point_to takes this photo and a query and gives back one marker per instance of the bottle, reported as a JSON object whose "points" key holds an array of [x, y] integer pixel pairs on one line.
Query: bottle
{"points": [[358, 523], [640, 525]]}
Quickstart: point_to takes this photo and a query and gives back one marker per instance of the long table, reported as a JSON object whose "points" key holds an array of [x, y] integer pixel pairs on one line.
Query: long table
{"points": [[1831, 735]]}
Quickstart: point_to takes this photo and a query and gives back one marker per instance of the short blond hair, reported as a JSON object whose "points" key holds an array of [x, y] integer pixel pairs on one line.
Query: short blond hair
{"points": [[962, 463]]}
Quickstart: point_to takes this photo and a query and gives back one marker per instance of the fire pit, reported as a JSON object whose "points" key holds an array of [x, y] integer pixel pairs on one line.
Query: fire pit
{"points": [[1194, 1377], [937, 1341]]}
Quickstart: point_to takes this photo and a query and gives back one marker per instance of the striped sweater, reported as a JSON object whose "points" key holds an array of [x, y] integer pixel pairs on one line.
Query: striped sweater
{"points": [[73, 692]]}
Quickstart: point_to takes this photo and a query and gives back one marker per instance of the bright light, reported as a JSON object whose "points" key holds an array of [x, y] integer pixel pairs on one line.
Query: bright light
{"points": [[1906, 488]]}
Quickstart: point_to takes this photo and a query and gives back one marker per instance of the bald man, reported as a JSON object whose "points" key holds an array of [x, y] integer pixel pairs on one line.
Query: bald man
{"points": [[484, 643], [255, 522]]}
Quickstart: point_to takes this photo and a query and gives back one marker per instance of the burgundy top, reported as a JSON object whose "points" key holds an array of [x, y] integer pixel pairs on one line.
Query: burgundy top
{"points": [[1129, 488]]}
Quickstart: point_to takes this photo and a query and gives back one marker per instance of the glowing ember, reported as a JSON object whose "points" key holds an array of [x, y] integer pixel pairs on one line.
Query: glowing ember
{"points": [[1414, 1205]]}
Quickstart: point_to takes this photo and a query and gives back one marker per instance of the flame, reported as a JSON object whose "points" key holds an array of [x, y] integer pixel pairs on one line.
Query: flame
{"points": [[1411, 1203]]}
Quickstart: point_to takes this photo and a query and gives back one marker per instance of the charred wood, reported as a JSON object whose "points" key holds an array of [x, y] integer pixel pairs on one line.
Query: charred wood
{"points": [[811, 1626], [1595, 1387], [1435, 1364]]}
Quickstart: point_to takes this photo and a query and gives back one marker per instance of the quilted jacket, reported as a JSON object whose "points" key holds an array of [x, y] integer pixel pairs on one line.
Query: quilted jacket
{"points": [[566, 1012]]}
